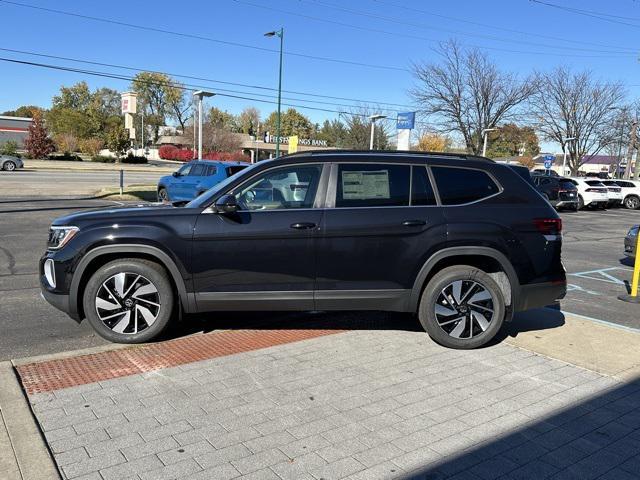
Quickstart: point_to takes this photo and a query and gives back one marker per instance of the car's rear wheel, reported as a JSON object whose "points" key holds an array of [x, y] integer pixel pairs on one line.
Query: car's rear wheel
{"points": [[580, 203], [462, 307], [632, 202], [129, 301], [163, 195], [9, 166]]}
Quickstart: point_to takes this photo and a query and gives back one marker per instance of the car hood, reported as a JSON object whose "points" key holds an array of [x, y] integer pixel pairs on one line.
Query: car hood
{"points": [[123, 212]]}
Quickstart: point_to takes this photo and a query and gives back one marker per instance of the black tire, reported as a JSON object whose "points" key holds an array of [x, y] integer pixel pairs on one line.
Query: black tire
{"points": [[436, 288], [100, 284], [9, 166], [163, 195], [580, 203], [632, 202]]}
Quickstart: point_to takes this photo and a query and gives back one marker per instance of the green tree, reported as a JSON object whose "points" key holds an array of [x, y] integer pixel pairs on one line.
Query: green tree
{"points": [[333, 132], [359, 133], [117, 140], [221, 119], [38, 143], [248, 121], [511, 140], [27, 111], [292, 122]]}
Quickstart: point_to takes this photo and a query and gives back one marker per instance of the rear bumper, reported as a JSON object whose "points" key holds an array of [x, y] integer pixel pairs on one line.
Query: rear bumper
{"points": [[537, 295]]}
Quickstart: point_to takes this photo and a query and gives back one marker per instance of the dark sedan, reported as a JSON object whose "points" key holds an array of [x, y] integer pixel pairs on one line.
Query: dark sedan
{"points": [[630, 241]]}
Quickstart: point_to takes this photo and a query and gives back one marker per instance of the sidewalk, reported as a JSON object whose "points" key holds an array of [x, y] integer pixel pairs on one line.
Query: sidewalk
{"points": [[307, 403]]}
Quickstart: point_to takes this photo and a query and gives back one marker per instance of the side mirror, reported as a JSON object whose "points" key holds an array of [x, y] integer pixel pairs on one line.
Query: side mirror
{"points": [[176, 174], [227, 204]]}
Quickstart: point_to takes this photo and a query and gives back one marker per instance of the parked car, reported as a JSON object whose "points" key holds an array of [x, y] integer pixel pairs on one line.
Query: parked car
{"points": [[631, 241], [560, 192], [544, 171], [614, 192], [591, 192], [9, 163], [630, 193], [195, 178], [459, 240]]}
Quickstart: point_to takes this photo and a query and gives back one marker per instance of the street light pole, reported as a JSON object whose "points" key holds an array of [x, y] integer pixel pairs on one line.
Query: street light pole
{"points": [[484, 145], [564, 151], [278, 33], [200, 94], [373, 119]]}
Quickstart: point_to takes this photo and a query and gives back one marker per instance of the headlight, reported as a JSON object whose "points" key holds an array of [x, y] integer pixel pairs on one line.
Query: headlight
{"points": [[59, 236]]}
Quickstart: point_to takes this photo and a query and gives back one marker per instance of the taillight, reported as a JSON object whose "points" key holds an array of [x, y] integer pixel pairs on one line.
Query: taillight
{"points": [[548, 226]]}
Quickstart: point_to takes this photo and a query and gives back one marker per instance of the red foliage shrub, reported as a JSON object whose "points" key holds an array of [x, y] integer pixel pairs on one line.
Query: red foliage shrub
{"points": [[167, 152], [184, 155]]}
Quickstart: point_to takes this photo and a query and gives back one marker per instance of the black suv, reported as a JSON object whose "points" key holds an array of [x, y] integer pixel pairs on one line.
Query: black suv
{"points": [[560, 192], [461, 241]]}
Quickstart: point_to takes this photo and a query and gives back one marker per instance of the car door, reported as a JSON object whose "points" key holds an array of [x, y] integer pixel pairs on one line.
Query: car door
{"points": [[175, 187], [191, 182], [264, 255], [381, 224]]}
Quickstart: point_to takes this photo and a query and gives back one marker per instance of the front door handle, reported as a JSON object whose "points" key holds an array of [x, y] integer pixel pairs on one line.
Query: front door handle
{"points": [[303, 225], [413, 223]]}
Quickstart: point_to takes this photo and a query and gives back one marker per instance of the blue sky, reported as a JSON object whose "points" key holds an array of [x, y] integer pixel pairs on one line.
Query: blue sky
{"points": [[392, 33]]}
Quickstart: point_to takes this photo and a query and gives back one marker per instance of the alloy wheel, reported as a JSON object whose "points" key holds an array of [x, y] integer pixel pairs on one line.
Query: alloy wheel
{"points": [[464, 309], [632, 203], [163, 196], [127, 303], [9, 166]]}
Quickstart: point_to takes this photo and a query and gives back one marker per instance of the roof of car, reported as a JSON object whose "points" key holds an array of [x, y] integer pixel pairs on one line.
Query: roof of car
{"points": [[382, 154], [223, 162]]}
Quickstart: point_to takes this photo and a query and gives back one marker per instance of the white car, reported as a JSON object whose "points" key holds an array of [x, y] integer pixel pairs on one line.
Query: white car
{"points": [[615, 193], [630, 193], [591, 192]]}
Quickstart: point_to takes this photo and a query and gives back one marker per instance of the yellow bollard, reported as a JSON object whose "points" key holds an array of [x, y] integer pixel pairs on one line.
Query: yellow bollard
{"points": [[633, 297]]}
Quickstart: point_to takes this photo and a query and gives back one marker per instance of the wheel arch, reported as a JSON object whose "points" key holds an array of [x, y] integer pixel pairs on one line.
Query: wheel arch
{"points": [[99, 256], [485, 258]]}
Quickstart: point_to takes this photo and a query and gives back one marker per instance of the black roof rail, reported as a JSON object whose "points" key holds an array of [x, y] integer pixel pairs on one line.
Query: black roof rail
{"points": [[375, 153]]}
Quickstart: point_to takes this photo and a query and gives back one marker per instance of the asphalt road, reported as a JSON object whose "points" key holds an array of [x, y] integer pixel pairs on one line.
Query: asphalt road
{"points": [[592, 254], [56, 183]]}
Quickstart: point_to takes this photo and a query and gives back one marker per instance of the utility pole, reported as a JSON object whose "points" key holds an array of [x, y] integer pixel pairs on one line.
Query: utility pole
{"points": [[632, 146], [484, 144]]}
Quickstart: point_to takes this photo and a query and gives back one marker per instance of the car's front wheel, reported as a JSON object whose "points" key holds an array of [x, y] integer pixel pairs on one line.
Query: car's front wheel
{"points": [[462, 307], [9, 166], [129, 300], [163, 195], [632, 202]]}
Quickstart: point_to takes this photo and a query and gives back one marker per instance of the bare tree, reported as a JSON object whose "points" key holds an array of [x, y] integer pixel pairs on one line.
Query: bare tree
{"points": [[575, 105], [466, 93]]}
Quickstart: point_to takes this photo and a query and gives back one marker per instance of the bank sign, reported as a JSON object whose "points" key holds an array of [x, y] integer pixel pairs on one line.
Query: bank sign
{"points": [[406, 120], [309, 142]]}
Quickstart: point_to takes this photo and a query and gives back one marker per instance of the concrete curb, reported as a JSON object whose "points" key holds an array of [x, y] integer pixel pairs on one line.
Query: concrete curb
{"points": [[24, 454]]}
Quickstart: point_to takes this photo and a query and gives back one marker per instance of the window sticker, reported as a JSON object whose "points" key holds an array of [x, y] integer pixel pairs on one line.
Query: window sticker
{"points": [[365, 185]]}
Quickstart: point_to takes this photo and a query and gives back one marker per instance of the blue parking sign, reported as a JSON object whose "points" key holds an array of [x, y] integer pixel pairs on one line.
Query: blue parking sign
{"points": [[547, 164]]}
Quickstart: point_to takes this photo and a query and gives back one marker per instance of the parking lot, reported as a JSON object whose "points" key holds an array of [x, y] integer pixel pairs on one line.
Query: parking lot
{"points": [[592, 255]]}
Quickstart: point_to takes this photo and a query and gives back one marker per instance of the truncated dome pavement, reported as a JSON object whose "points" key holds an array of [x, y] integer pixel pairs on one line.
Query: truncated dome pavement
{"points": [[53, 375]]}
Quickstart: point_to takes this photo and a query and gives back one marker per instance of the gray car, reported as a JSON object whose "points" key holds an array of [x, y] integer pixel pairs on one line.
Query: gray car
{"points": [[630, 241], [9, 163]]}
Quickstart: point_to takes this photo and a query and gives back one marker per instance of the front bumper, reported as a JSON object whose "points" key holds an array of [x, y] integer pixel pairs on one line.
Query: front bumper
{"points": [[538, 295]]}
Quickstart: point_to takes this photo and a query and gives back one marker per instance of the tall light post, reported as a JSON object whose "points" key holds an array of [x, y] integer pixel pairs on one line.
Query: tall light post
{"points": [[200, 94], [484, 145], [278, 33], [564, 151], [373, 119]]}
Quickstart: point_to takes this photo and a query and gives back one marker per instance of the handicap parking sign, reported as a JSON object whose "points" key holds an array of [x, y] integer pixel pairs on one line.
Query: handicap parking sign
{"points": [[547, 164]]}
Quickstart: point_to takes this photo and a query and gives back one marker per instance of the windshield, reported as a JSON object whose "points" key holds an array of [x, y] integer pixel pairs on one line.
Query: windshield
{"points": [[204, 199]]}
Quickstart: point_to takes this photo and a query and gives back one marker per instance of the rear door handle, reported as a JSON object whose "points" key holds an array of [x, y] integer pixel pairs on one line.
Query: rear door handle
{"points": [[413, 223], [303, 225]]}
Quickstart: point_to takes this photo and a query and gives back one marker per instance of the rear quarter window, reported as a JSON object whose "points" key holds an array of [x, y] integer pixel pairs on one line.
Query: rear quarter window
{"points": [[458, 186], [594, 183]]}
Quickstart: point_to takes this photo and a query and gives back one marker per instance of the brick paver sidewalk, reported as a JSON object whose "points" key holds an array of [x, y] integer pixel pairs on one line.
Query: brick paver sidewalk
{"points": [[361, 405]]}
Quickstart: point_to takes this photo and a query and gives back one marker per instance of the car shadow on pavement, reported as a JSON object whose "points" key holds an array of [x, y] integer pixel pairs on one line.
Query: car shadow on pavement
{"points": [[592, 435], [529, 321]]}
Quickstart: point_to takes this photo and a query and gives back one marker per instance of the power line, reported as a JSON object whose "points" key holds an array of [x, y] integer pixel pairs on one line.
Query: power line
{"points": [[489, 37], [592, 14], [186, 87], [102, 64], [497, 27], [427, 39], [204, 38]]}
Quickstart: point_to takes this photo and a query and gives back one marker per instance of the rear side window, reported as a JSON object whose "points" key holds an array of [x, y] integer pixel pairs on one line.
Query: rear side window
{"points": [[373, 185], [626, 184], [421, 189], [594, 183], [457, 186], [567, 184], [211, 170]]}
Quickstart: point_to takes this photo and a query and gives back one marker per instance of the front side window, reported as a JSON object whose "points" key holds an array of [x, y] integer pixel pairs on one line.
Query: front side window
{"points": [[198, 170], [373, 185], [282, 188], [185, 170], [458, 186]]}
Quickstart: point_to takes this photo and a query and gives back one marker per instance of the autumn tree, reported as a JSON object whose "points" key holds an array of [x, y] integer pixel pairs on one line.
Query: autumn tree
{"points": [[222, 119], [567, 104], [466, 93], [510, 140], [26, 111], [38, 143], [433, 142], [248, 121]]}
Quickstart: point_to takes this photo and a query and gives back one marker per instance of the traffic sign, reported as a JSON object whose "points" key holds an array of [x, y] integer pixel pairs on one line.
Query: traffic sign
{"points": [[547, 164], [549, 158]]}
